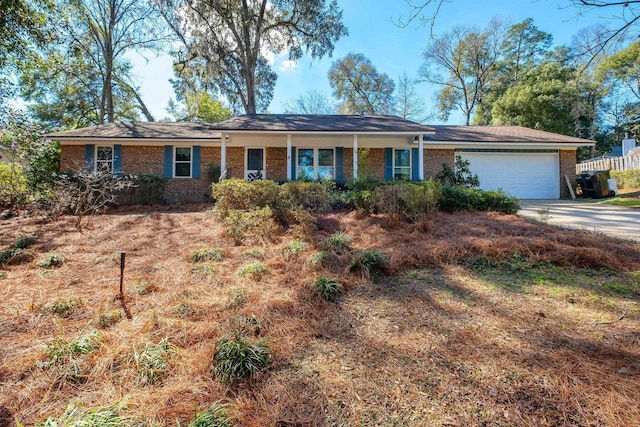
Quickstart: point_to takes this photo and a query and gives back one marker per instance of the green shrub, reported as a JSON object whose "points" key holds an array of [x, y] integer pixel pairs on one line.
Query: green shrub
{"points": [[240, 195], [255, 270], [460, 175], [238, 358], [13, 185], [153, 361], [52, 261], [455, 198], [214, 416], [63, 307], [311, 196], [301, 222], [207, 254], [328, 289], [213, 173], [388, 199], [627, 179], [369, 262], [420, 200], [293, 249], [337, 242], [255, 224], [3, 274], [363, 200]]}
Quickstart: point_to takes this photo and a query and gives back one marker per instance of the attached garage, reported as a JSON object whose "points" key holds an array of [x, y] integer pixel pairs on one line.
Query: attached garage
{"points": [[525, 174], [527, 163]]}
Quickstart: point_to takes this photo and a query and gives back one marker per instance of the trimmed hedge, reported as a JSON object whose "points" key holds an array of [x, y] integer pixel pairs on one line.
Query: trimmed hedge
{"points": [[455, 198]]}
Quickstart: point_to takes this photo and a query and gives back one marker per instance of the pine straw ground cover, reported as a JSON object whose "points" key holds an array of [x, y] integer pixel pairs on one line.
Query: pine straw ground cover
{"points": [[484, 319]]}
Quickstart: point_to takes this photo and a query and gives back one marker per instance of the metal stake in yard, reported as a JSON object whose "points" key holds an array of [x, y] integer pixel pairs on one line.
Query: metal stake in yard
{"points": [[124, 306]]}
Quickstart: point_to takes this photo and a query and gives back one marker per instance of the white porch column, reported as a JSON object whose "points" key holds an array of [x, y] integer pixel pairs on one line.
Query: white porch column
{"points": [[355, 158], [289, 157], [421, 157], [223, 155]]}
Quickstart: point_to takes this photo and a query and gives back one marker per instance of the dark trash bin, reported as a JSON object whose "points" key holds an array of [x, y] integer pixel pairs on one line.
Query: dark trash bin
{"points": [[594, 184]]}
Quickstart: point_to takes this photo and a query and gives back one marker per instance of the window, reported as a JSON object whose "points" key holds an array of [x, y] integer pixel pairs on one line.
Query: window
{"points": [[402, 164], [182, 164], [104, 158], [316, 163]]}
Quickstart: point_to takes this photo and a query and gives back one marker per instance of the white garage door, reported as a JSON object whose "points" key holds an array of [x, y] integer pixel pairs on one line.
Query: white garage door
{"points": [[525, 175]]}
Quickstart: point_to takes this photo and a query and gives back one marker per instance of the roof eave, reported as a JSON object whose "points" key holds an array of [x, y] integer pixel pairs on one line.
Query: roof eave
{"points": [[326, 132]]}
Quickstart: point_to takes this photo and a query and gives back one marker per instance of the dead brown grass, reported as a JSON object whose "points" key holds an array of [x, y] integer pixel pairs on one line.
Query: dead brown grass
{"points": [[432, 344]]}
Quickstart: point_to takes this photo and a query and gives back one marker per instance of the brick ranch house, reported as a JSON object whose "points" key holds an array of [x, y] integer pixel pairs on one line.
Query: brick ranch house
{"points": [[530, 164]]}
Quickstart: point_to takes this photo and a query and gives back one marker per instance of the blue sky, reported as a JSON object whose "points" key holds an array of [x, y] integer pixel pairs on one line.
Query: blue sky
{"points": [[392, 50]]}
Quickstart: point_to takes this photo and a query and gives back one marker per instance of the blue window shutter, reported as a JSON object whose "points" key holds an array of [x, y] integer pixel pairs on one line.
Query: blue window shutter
{"points": [[339, 164], [195, 162], [117, 158], [415, 176], [294, 161], [388, 164], [168, 161], [89, 149]]}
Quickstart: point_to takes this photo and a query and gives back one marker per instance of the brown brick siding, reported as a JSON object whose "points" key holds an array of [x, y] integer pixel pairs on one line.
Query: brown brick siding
{"points": [[71, 157], [276, 163], [568, 168], [138, 160], [433, 160]]}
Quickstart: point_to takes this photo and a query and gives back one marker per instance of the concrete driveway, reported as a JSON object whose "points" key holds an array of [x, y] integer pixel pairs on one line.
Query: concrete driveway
{"points": [[587, 215]]}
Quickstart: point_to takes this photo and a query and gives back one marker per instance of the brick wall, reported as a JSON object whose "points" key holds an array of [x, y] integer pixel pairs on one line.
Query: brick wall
{"points": [[568, 168], [433, 160], [71, 157], [276, 163]]}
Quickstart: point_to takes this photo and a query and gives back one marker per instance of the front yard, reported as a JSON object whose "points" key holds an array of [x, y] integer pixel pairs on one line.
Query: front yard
{"points": [[482, 319]]}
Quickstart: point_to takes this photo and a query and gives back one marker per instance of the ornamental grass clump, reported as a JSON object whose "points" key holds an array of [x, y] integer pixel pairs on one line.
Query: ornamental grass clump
{"points": [[328, 289], [238, 358], [369, 262], [69, 356], [337, 242], [153, 361], [207, 254], [52, 261], [214, 416]]}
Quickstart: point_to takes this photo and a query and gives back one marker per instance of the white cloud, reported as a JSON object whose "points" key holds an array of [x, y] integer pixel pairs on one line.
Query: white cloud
{"points": [[288, 66]]}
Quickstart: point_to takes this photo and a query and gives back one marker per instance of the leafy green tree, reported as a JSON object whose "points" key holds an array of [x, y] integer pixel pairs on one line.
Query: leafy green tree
{"points": [[523, 48], [23, 26], [199, 107], [85, 74], [38, 155], [360, 87], [229, 40], [552, 97], [621, 71]]}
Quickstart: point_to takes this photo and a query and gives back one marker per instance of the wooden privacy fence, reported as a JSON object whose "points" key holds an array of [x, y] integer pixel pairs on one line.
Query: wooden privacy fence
{"points": [[610, 163]]}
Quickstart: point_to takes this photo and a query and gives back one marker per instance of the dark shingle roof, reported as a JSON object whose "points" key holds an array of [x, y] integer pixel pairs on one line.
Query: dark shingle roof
{"points": [[320, 123], [496, 134], [146, 130]]}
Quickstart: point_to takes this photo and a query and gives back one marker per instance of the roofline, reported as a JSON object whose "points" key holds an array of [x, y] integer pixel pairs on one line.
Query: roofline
{"points": [[499, 144], [117, 139], [325, 132]]}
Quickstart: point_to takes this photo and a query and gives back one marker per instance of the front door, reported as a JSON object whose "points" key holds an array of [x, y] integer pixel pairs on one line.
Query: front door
{"points": [[254, 164]]}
